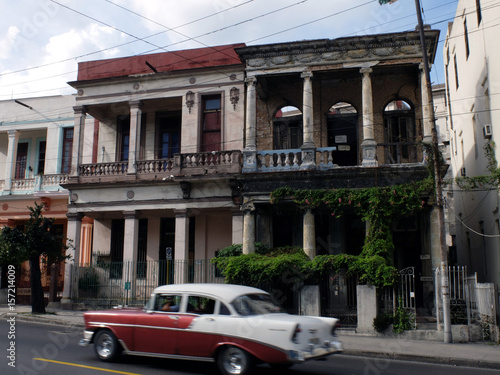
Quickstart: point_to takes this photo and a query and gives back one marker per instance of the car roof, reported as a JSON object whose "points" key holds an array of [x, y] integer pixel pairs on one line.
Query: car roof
{"points": [[226, 292]]}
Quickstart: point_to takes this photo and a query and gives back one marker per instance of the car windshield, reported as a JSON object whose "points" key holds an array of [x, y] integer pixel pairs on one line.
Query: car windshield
{"points": [[255, 304]]}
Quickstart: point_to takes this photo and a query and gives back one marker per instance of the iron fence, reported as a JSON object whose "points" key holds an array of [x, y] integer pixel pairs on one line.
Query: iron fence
{"points": [[105, 284]]}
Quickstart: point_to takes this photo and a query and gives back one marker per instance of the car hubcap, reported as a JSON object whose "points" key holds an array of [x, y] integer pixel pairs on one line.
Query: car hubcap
{"points": [[235, 361], [105, 346]]}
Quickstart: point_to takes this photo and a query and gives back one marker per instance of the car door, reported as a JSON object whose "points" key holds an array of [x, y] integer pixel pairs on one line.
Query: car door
{"points": [[196, 334], [156, 330]]}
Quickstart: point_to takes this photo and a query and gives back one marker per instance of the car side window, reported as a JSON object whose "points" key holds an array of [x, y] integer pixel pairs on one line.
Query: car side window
{"points": [[224, 310], [200, 305], [168, 302]]}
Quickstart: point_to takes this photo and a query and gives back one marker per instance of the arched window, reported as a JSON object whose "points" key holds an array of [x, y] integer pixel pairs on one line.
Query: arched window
{"points": [[342, 132], [400, 133], [287, 128]]}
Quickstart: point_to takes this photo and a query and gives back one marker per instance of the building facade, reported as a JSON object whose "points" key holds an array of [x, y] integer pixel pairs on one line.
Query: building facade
{"points": [[186, 148], [36, 141], [471, 58]]}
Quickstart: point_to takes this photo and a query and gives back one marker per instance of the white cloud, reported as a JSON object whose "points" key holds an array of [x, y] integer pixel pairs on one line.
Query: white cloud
{"points": [[7, 42], [38, 32]]}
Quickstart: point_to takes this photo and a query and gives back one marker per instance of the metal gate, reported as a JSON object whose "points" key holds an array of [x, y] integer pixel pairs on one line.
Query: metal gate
{"points": [[406, 294], [339, 300]]}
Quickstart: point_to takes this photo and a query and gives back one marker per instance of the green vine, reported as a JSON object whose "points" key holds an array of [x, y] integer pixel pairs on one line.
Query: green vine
{"points": [[378, 206], [491, 179]]}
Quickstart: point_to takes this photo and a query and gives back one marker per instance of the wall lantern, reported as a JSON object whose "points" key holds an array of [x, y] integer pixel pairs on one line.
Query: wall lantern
{"points": [[234, 96], [190, 100]]}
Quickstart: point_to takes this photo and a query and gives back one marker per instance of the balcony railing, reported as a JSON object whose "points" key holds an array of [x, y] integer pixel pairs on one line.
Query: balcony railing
{"points": [[399, 153], [291, 159], [24, 186], [103, 169], [189, 164]]}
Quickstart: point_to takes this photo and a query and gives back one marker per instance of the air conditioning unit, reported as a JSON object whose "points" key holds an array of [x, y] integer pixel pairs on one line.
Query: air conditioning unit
{"points": [[487, 131]]}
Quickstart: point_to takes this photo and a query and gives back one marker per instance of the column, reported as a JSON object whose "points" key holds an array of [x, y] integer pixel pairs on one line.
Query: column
{"points": [[181, 246], [307, 110], [250, 151], [86, 240], [73, 234], [426, 107], [237, 227], [135, 135], [10, 165], [78, 138], [369, 146], [309, 233], [130, 244], [248, 228], [308, 150]]}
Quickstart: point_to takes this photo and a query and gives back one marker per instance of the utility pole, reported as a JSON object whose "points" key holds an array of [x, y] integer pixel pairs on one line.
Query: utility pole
{"points": [[445, 291]]}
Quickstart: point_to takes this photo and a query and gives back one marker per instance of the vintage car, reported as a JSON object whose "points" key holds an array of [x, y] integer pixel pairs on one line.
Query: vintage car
{"points": [[235, 326]]}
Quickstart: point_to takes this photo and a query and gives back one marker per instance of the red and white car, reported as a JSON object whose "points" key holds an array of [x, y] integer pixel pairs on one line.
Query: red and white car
{"points": [[235, 326]]}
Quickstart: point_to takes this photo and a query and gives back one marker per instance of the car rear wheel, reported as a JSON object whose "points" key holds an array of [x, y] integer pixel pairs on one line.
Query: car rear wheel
{"points": [[106, 346], [234, 361]]}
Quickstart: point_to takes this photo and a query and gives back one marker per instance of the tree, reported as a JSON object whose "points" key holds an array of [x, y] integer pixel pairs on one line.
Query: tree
{"points": [[38, 238]]}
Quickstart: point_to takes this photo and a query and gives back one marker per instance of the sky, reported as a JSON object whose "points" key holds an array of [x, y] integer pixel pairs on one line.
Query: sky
{"points": [[42, 41]]}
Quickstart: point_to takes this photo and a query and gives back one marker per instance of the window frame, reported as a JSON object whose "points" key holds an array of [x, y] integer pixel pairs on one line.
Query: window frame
{"points": [[204, 146]]}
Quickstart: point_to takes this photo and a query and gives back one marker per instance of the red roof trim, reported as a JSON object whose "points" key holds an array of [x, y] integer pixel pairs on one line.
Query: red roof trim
{"points": [[162, 62]]}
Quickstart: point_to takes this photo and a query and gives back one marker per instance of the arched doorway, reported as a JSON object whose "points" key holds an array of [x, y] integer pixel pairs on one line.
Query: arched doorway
{"points": [[342, 131], [287, 128], [400, 133]]}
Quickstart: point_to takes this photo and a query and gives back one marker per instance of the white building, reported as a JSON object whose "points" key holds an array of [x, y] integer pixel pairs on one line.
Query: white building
{"points": [[471, 57], [36, 142]]}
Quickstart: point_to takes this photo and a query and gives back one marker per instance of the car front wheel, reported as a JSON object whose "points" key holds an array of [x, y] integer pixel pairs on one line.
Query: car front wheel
{"points": [[234, 361], [106, 346]]}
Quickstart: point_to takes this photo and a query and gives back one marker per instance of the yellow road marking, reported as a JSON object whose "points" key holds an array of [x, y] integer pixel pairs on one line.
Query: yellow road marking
{"points": [[84, 366]]}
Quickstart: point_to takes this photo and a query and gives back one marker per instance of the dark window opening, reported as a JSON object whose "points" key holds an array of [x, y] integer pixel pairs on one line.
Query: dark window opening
{"points": [[142, 248], [166, 251], [342, 133], [400, 134], [41, 157], [21, 160], [466, 37], [123, 130], [478, 12], [287, 129], [168, 134], [211, 123], [117, 243], [67, 150]]}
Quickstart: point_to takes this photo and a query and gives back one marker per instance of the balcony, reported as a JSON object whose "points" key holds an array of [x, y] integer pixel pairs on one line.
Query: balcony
{"points": [[27, 186], [189, 164]]}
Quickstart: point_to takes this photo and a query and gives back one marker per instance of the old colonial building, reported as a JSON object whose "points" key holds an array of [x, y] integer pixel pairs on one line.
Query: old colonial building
{"points": [[187, 146], [36, 140]]}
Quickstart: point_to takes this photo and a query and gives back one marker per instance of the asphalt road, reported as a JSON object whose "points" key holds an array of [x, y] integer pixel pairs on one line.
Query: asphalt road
{"points": [[43, 349]]}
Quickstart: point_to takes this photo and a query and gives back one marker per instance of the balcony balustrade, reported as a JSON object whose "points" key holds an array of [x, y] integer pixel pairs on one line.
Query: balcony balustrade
{"points": [[220, 162], [25, 186]]}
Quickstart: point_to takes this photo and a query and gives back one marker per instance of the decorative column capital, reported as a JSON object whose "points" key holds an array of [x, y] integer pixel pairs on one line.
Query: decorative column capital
{"points": [[74, 216], [129, 215], [135, 104], [80, 110], [306, 75], [366, 71], [251, 81], [247, 207]]}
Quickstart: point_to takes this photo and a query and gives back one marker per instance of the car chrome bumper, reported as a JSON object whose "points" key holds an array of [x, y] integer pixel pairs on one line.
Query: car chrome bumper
{"points": [[315, 352], [87, 338]]}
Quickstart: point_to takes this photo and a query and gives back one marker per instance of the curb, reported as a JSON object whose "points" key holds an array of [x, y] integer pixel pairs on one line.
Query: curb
{"points": [[47, 320], [424, 359]]}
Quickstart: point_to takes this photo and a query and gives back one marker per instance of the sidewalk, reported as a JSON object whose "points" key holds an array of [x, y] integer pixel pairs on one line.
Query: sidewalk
{"points": [[485, 355]]}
